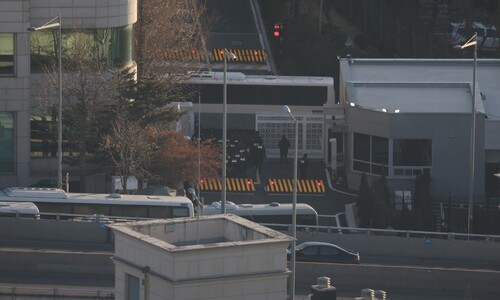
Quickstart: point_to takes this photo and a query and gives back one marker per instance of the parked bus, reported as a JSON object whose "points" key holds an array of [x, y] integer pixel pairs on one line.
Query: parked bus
{"points": [[22, 210], [53, 200], [273, 213]]}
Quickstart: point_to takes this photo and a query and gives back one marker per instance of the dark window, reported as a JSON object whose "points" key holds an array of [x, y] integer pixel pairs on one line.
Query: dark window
{"points": [[6, 142], [371, 154], [330, 251], [6, 53], [412, 152], [380, 150], [310, 251], [361, 147]]}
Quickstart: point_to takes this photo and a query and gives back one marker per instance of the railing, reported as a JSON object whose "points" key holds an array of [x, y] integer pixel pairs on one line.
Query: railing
{"points": [[388, 232], [52, 293]]}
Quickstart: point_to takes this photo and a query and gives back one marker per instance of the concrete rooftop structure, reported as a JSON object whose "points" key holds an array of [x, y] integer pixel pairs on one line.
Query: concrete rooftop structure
{"points": [[210, 257]]}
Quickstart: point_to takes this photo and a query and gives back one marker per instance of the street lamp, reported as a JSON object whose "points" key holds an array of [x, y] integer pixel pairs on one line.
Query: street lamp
{"points": [[199, 143], [224, 130], [471, 42], [294, 202], [52, 24]]}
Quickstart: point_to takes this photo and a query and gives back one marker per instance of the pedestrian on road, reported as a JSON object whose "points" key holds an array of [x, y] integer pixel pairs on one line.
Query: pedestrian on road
{"points": [[284, 144], [303, 166], [257, 156]]}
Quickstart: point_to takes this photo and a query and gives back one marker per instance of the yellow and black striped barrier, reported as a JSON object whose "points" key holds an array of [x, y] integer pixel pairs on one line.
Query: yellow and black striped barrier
{"points": [[242, 55], [232, 184], [309, 186]]}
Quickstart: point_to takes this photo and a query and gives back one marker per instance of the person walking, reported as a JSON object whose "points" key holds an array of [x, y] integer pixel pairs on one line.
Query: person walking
{"points": [[284, 144]]}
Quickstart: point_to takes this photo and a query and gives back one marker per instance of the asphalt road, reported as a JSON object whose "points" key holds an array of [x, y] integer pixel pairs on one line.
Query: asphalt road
{"points": [[329, 203]]}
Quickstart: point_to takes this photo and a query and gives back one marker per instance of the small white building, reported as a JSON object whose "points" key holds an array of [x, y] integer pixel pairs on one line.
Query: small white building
{"points": [[211, 257]]}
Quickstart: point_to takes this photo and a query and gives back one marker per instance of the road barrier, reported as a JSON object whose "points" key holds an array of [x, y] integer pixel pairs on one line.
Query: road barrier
{"points": [[232, 184], [306, 186]]}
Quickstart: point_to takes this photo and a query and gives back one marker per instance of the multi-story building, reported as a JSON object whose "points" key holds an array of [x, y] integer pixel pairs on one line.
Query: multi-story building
{"points": [[110, 19]]}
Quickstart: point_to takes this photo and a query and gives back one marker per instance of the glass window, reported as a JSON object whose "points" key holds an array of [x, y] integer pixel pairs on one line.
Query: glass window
{"points": [[412, 152], [6, 142], [110, 46], [371, 154], [380, 150], [361, 146], [328, 251], [6, 53], [310, 251]]}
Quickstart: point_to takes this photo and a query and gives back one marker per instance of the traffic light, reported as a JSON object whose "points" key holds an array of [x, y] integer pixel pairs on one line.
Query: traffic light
{"points": [[278, 31]]}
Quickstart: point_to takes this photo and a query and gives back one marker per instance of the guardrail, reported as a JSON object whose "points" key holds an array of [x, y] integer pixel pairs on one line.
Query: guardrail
{"points": [[388, 232], [53, 293]]}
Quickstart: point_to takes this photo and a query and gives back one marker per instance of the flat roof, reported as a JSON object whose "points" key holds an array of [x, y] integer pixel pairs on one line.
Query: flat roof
{"points": [[414, 98], [435, 72], [187, 234]]}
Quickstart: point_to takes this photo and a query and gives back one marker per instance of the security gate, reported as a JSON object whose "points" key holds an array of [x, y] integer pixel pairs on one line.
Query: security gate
{"points": [[272, 127]]}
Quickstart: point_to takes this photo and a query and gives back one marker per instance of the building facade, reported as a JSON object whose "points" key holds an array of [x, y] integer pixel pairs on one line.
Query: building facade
{"points": [[20, 160], [409, 117]]}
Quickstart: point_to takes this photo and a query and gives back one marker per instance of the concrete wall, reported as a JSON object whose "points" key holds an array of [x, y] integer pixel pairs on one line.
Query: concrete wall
{"points": [[412, 248], [55, 231]]}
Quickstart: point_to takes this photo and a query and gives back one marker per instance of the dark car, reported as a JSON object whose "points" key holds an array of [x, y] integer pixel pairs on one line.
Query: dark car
{"points": [[324, 252]]}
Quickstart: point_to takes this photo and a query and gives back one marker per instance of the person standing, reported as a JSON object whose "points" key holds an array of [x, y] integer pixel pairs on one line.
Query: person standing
{"points": [[284, 144]]}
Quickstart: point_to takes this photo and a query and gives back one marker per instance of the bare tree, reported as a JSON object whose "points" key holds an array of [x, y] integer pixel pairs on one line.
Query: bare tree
{"points": [[128, 148], [170, 33]]}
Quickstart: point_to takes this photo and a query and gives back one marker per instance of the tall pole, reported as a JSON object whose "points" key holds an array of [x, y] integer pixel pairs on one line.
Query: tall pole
{"points": [[294, 202], [48, 25], [59, 117], [224, 135], [473, 141], [471, 42], [199, 144]]}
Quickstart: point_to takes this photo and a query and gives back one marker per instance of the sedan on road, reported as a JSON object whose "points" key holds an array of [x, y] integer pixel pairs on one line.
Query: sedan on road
{"points": [[324, 252]]}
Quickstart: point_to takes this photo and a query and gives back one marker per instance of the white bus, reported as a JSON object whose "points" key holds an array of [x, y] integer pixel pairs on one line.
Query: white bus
{"points": [[273, 213], [22, 210], [57, 201]]}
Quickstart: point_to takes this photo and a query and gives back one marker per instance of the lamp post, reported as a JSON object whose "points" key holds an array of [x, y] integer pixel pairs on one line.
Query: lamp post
{"points": [[199, 144], [294, 201], [471, 42], [224, 130], [51, 24]]}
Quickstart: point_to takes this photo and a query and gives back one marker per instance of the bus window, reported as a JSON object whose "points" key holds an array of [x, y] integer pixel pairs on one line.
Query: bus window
{"points": [[130, 211], [179, 212], [160, 212]]}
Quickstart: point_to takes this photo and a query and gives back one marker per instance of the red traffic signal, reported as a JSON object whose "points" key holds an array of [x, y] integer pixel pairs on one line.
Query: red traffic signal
{"points": [[278, 30]]}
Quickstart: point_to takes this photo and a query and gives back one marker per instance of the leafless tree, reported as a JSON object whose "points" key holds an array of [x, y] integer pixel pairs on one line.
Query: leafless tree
{"points": [[171, 33]]}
